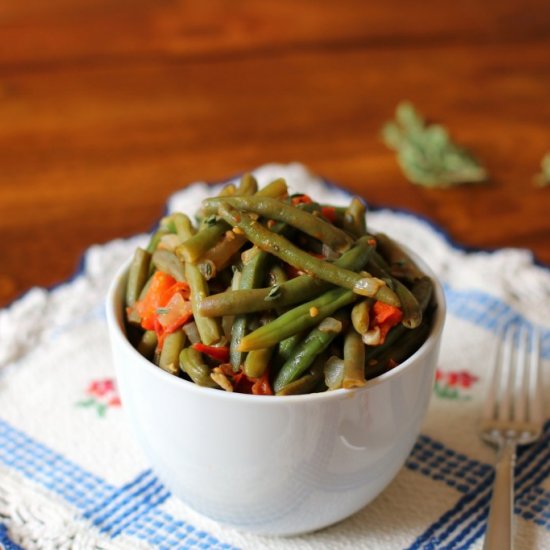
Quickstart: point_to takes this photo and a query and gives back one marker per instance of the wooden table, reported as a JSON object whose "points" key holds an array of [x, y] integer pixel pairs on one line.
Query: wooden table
{"points": [[108, 106]]}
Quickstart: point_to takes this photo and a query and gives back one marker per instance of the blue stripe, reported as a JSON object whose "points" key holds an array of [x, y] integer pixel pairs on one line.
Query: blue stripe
{"points": [[50, 469], [114, 495], [5, 542], [432, 459], [146, 505], [489, 312]]}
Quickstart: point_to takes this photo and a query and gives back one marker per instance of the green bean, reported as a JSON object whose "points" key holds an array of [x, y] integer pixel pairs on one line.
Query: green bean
{"points": [[295, 290], [208, 235], [360, 316], [299, 218], [148, 344], [213, 230], [248, 185], [401, 264], [208, 328], [191, 363], [155, 239], [279, 246], [313, 344], [307, 383], [168, 262], [222, 252], [257, 361], [252, 274], [297, 319], [137, 275], [285, 347], [354, 360], [171, 348], [275, 189], [355, 218]]}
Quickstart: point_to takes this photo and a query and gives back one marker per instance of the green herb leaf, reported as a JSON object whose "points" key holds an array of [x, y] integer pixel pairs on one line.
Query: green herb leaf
{"points": [[426, 153], [542, 179]]}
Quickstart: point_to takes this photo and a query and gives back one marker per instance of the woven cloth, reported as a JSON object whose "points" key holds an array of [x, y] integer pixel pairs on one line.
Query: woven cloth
{"points": [[72, 475]]}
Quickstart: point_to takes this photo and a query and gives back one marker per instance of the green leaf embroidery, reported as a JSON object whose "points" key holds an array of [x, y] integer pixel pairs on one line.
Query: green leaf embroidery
{"points": [[426, 153]]}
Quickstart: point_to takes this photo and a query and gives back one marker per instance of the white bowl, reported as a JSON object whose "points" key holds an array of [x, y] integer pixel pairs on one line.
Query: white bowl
{"points": [[274, 465]]}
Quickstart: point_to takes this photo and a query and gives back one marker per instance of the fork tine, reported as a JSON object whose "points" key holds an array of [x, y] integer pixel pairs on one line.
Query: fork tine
{"points": [[521, 388], [488, 411], [535, 380], [504, 404]]}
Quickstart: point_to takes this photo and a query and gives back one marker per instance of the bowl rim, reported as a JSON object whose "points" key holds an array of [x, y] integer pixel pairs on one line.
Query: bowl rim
{"points": [[114, 309]]}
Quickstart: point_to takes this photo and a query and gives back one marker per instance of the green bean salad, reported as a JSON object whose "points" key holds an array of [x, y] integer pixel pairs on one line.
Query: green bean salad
{"points": [[270, 294]]}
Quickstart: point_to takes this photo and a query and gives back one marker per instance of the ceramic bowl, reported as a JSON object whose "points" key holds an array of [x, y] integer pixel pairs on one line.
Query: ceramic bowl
{"points": [[274, 465]]}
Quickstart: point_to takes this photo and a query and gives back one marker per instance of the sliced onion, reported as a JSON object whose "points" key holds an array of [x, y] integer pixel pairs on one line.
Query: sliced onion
{"points": [[176, 311], [372, 337], [169, 242], [330, 324], [334, 372], [192, 332]]}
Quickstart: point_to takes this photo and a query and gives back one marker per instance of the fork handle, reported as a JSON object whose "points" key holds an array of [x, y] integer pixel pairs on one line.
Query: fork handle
{"points": [[501, 512]]}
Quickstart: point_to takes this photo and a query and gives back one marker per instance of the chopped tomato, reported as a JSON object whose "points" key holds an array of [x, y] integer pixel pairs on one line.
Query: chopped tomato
{"points": [[261, 385], [301, 199], [329, 212], [175, 313], [165, 306], [153, 299], [219, 353], [385, 317], [245, 384]]}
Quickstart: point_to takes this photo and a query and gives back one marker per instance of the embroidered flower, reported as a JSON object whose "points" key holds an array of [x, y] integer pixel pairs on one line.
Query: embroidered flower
{"points": [[454, 384], [101, 395]]}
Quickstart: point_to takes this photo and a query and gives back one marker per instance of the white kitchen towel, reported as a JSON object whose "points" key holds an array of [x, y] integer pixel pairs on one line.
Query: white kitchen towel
{"points": [[72, 476]]}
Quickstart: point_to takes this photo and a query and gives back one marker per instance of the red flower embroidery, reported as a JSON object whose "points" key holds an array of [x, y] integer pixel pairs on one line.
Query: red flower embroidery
{"points": [[102, 395], [450, 384]]}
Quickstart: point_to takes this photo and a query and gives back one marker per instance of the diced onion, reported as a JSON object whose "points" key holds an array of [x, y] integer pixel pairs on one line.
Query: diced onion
{"points": [[330, 324], [192, 332], [334, 372]]}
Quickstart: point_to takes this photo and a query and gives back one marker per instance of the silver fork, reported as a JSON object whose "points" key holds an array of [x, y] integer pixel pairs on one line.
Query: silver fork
{"points": [[512, 416]]}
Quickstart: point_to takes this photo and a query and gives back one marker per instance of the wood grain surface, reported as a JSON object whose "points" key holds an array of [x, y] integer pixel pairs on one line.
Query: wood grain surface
{"points": [[109, 106]]}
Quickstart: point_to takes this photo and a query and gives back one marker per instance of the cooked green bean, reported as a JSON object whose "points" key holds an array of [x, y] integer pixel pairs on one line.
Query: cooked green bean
{"points": [[288, 293], [171, 348], [208, 328], [168, 262], [148, 344], [137, 275], [155, 239], [313, 344], [191, 363], [212, 230], [257, 361], [298, 319], [354, 360], [355, 218], [252, 274], [307, 383], [248, 185], [360, 316], [299, 218], [277, 245], [401, 264]]}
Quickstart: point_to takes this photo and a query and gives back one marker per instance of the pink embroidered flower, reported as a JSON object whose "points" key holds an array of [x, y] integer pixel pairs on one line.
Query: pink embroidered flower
{"points": [[453, 384], [102, 395]]}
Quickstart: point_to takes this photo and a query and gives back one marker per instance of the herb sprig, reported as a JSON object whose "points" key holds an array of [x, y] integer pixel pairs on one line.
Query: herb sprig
{"points": [[426, 153]]}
